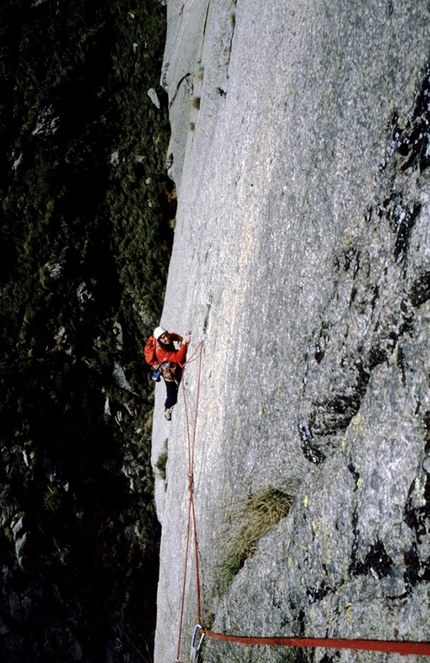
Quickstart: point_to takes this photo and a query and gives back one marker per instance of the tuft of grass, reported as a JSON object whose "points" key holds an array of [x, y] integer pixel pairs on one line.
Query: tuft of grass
{"points": [[162, 462], [192, 126], [257, 516], [195, 102]]}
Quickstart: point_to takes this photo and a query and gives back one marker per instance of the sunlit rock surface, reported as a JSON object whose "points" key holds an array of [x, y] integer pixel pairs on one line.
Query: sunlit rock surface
{"points": [[300, 150]]}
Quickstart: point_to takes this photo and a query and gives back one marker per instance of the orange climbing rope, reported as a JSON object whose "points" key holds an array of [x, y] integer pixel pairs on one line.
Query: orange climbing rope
{"points": [[191, 436], [388, 646], [418, 648], [191, 520]]}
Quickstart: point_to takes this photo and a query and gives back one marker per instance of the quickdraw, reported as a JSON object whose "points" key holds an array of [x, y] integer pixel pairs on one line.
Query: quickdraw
{"points": [[195, 648]]}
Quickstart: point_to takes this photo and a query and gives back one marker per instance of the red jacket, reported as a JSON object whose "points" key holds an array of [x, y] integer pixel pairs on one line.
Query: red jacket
{"points": [[177, 357]]}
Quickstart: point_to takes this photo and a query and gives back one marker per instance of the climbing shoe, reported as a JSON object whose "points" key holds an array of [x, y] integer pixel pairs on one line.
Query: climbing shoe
{"points": [[168, 413]]}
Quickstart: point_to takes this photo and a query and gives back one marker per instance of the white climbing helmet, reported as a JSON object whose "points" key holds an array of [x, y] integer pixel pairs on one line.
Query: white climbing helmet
{"points": [[159, 331]]}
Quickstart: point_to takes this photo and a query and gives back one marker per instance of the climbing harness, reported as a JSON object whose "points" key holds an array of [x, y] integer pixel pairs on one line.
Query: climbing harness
{"points": [[388, 646]]}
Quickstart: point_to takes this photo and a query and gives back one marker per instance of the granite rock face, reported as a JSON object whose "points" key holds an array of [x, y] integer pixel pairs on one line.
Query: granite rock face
{"points": [[300, 150]]}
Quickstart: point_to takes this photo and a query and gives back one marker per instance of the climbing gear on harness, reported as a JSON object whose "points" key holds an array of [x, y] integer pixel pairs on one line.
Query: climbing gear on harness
{"points": [[169, 371], [156, 375]]}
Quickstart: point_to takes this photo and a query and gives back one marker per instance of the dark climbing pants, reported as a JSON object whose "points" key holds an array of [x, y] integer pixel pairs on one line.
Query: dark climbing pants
{"points": [[172, 394]]}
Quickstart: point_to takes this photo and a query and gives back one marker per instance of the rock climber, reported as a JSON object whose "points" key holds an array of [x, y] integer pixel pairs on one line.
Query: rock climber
{"points": [[171, 361]]}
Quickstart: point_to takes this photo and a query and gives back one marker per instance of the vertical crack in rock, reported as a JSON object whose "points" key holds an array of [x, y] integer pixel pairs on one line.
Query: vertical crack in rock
{"points": [[355, 474], [417, 518], [382, 299], [225, 39], [404, 222], [401, 218], [233, 26], [420, 290], [309, 448], [411, 143], [187, 81], [319, 592]]}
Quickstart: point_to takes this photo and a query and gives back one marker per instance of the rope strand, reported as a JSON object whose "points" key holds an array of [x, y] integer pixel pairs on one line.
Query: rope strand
{"points": [[391, 646], [184, 584], [191, 438]]}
